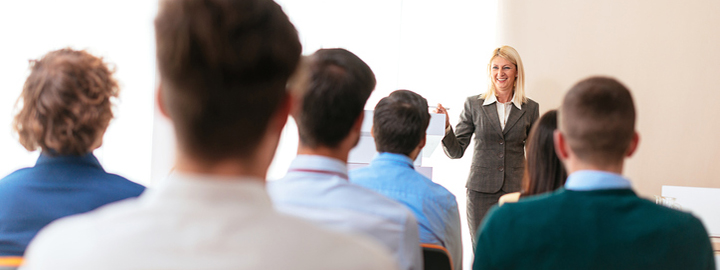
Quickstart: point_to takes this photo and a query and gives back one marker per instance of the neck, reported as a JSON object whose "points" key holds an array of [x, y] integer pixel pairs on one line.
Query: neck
{"points": [[232, 167], [413, 155], [504, 96], [577, 165], [339, 153]]}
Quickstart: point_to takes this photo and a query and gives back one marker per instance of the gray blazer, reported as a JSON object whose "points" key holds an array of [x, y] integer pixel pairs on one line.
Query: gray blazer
{"points": [[499, 160]]}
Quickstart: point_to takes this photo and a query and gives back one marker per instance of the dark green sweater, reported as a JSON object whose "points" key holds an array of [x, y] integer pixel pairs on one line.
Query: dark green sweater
{"points": [[602, 229]]}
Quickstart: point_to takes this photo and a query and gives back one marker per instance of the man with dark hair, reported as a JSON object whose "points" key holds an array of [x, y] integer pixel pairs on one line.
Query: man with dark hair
{"points": [[316, 186], [596, 221], [224, 65], [399, 124]]}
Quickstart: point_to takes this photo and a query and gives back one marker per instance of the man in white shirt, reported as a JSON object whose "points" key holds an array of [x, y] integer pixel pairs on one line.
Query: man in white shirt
{"points": [[223, 70], [316, 187]]}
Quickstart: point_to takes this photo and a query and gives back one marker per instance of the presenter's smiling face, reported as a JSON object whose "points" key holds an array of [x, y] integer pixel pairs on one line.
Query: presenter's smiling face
{"points": [[503, 74]]}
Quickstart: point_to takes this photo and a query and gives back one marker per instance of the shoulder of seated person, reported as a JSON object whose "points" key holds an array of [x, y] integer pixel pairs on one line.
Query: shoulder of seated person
{"points": [[509, 198], [365, 252]]}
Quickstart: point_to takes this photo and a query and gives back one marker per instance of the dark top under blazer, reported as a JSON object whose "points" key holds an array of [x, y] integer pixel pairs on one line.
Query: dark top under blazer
{"points": [[56, 187], [499, 159]]}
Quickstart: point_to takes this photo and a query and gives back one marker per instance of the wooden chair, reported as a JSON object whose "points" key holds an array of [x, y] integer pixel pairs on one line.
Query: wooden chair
{"points": [[436, 257]]}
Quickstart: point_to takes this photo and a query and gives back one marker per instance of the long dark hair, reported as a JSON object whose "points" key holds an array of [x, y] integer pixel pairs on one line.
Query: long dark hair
{"points": [[544, 171]]}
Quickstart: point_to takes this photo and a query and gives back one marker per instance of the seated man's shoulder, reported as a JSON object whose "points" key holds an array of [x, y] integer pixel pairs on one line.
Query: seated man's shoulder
{"points": [[111, 234], [528, 214], [119, 181], [68, 241], [439, 190], [357, 252], [366, 171], [374, 202], [19, 178], [671, 221], [338, 196]]}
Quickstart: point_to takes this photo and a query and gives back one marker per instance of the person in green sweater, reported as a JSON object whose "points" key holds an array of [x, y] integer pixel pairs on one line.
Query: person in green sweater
{"points": [[596, 221]]}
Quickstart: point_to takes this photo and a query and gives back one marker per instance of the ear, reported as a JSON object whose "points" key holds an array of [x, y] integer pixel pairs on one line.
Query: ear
{"points": [[279, 119], [633, 144], [561, 147], [160, 101], [372, 131], [421, 145], [296, 105], [357, 126]]}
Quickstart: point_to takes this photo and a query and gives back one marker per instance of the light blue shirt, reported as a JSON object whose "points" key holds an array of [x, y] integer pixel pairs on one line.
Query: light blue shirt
{"points": [[317, 188], [435, 208], [588, 180]]}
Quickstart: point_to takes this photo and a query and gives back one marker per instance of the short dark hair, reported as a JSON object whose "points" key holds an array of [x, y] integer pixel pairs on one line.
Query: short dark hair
{"points": [[597, 118], [544, 171], [400, 121], [340, 84], [224, 65], [66, 103]]}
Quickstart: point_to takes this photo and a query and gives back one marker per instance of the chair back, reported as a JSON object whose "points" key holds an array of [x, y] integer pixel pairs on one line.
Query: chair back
{"points": [[436, 257], [10, 262]]}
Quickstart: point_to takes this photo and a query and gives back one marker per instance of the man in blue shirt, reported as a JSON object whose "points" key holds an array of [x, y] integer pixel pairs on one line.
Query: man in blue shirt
{"points": [[399, 125], [316, 187]]}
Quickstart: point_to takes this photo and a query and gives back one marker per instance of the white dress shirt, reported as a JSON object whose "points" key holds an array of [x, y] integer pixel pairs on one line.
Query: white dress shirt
{"points": [[198, 222], [503, 109], [317, 188]]}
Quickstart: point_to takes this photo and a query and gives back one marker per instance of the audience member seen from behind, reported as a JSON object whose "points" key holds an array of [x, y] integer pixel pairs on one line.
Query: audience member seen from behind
{"points": [[316, 185], [66, 107], [399, 124], [223, 69], [543, 172], [596, 221]]}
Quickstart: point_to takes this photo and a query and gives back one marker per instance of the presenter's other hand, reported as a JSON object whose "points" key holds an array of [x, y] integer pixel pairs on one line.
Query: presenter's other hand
{"points": [[441, 109]]}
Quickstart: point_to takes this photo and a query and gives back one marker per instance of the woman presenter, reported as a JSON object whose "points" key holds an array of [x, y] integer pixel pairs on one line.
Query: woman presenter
{"points": [[500, 119]]}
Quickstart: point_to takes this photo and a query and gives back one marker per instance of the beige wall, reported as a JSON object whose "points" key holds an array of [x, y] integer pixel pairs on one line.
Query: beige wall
{"points": [[666, 52]]}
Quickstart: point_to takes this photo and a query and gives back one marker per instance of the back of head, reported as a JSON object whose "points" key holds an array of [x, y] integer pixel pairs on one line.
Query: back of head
{"points": [[544, 171], [400, 121], [597, 118], [66, 103], [224, 65], [340, 84]]}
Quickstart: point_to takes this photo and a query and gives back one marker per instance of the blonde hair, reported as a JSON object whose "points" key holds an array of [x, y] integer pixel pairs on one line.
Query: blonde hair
{"points": [[510, 54]]}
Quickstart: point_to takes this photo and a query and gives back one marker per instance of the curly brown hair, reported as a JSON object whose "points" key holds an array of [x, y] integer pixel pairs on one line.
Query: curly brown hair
{"points": [[66, 103]]}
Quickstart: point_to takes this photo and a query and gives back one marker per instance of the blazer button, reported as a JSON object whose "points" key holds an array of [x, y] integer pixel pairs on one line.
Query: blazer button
{"points": [[502, 142], [501, 169], [500, 155]]}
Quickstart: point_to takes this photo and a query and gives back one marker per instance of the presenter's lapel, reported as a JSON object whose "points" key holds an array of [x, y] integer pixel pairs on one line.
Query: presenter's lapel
{"points": [[490, 111], [515, 115]]}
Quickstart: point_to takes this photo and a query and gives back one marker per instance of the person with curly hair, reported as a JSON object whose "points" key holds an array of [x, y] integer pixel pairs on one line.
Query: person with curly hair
{"points": [[66, 108]]}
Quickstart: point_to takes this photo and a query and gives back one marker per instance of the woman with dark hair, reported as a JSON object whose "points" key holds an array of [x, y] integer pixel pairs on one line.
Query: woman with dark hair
{"points": [[66, 108], [544, 171]]}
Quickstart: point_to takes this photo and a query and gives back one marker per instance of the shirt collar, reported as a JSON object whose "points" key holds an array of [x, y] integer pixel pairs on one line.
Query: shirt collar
{"points": [[240, 191], [319, 164], [588, 180], [89, 159], [386, 157], [492, 99]]}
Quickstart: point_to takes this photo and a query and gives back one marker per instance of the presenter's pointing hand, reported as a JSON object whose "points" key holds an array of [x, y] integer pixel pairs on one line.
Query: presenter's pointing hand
{"points": [[441, 109]]}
